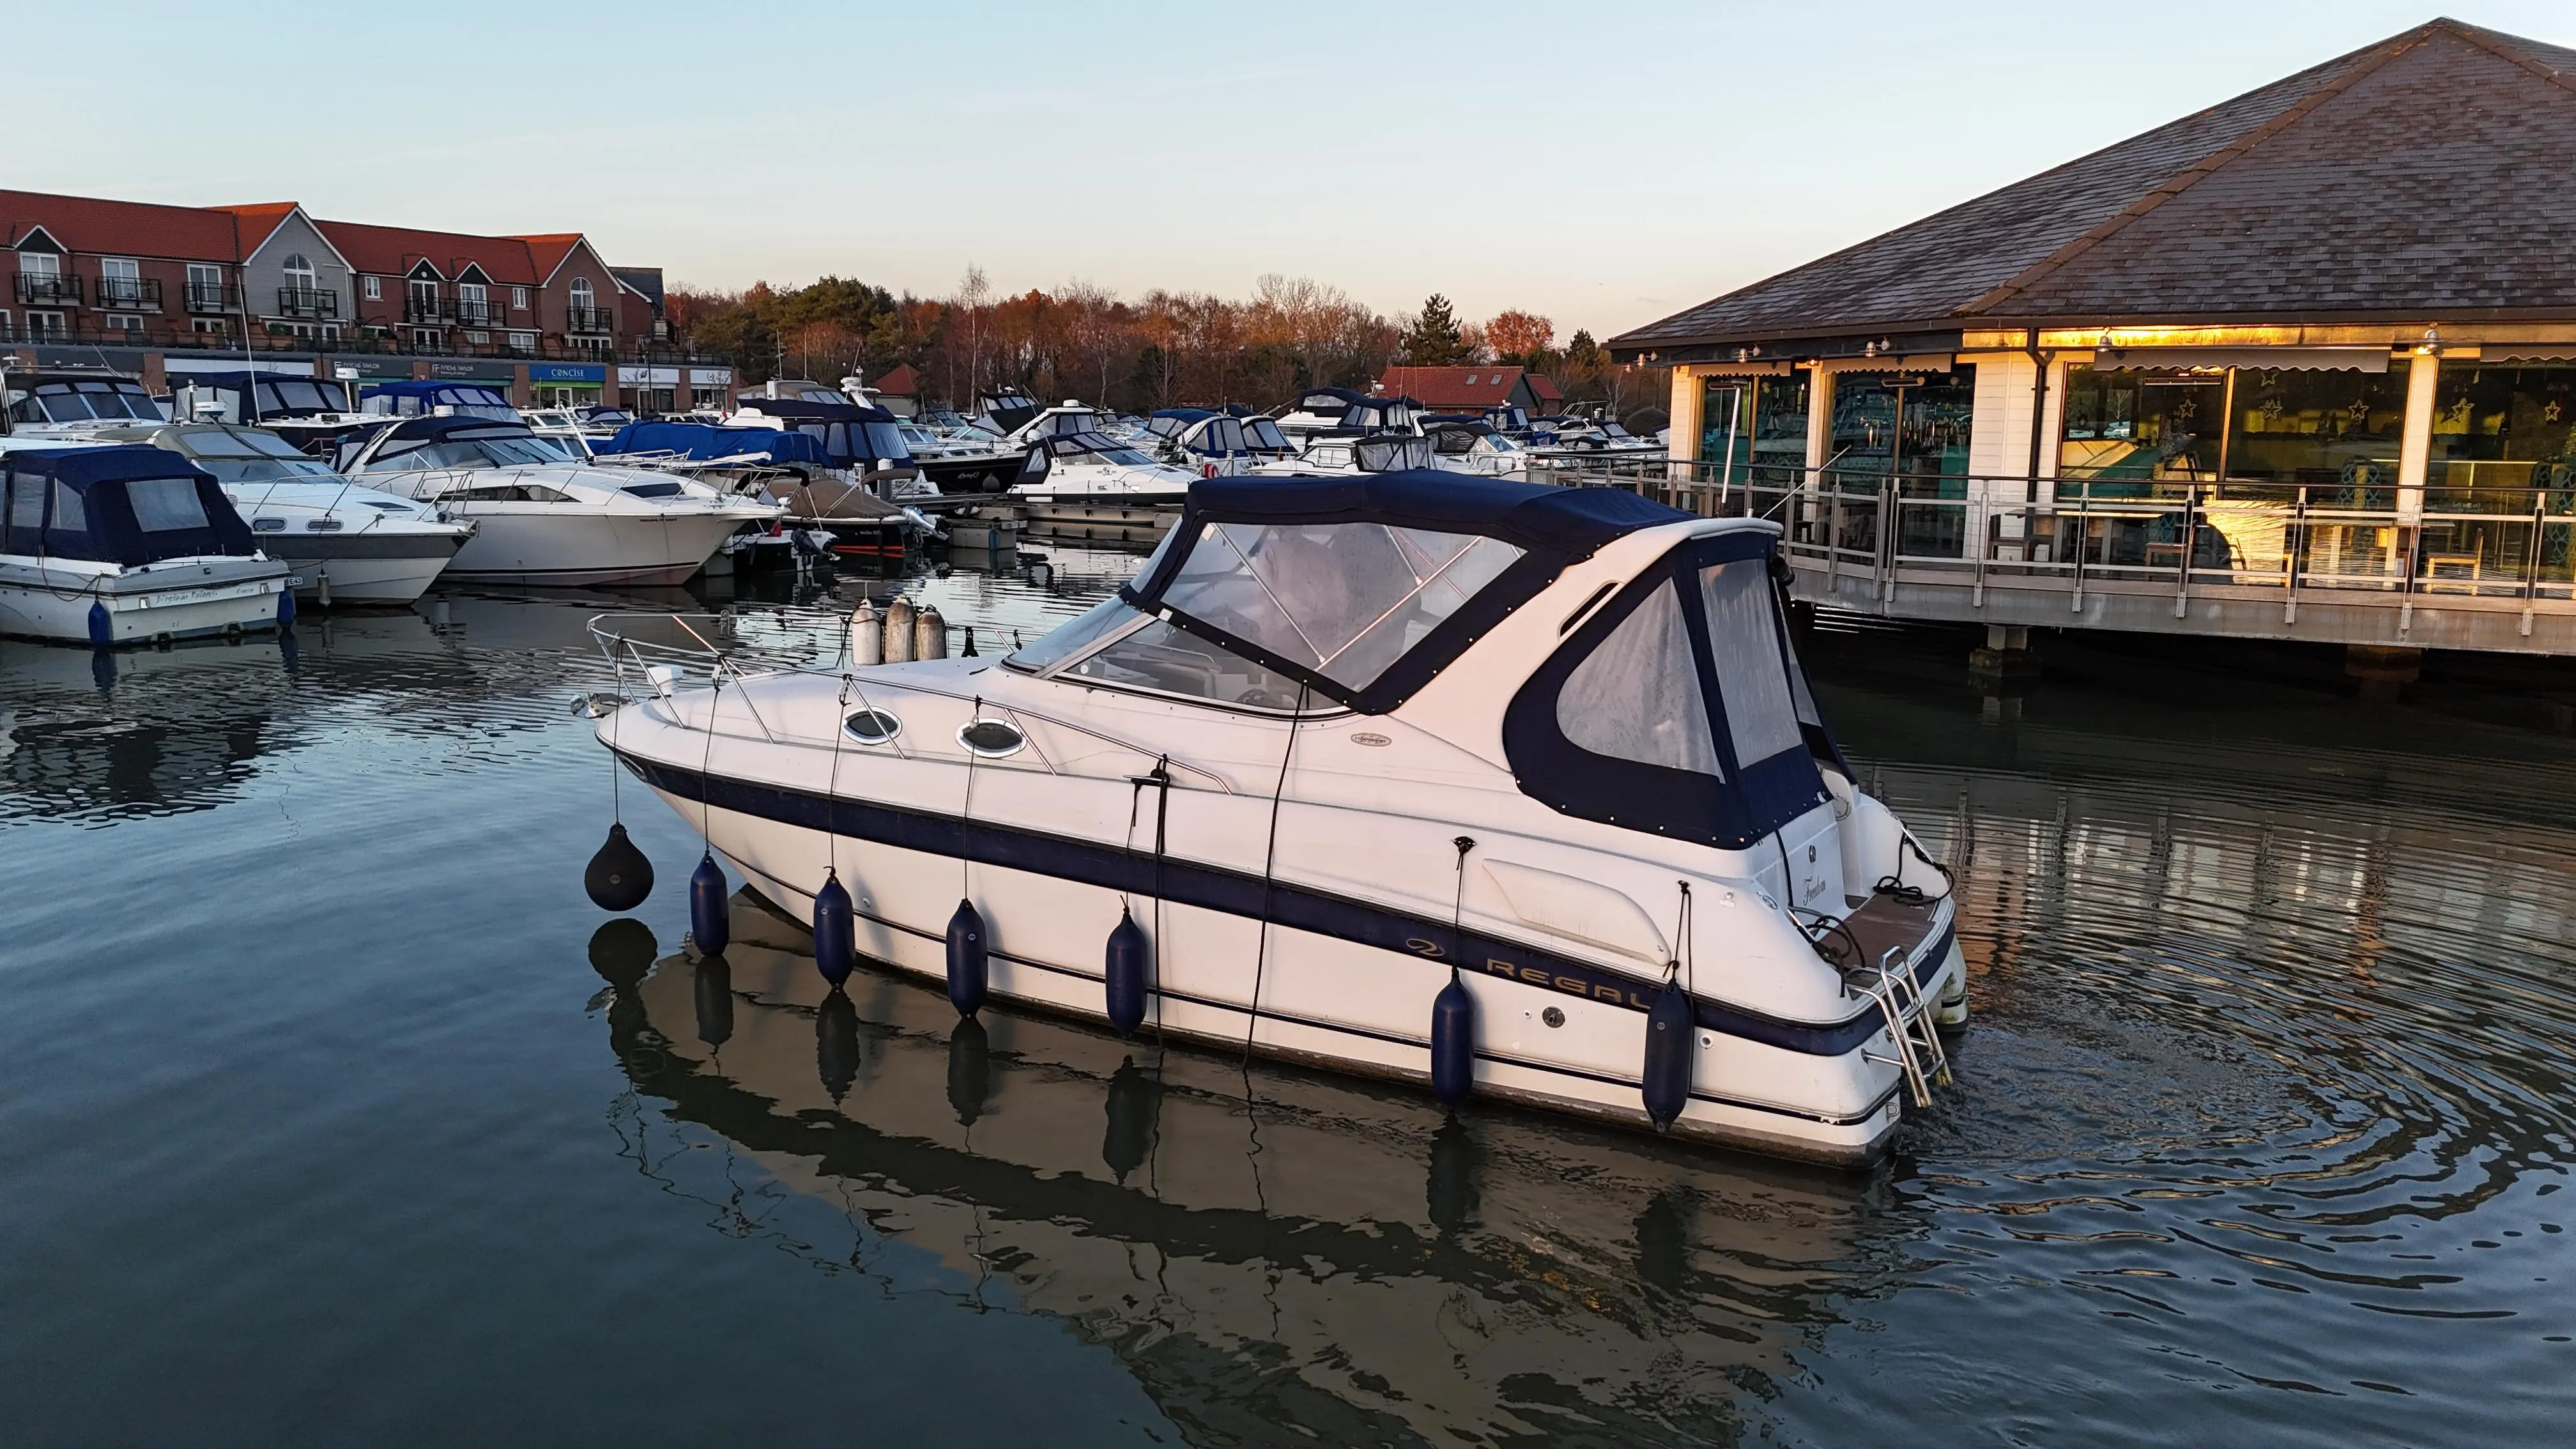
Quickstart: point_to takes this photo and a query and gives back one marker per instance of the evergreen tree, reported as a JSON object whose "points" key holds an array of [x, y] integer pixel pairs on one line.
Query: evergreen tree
{"points": [[1434, 340]]}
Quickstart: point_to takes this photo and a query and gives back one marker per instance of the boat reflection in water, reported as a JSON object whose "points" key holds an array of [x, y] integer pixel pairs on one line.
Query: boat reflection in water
{"points": [[1259, 1247]]}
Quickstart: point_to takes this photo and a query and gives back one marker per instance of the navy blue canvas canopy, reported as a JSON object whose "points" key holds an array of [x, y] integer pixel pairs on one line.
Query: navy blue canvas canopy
{"points": [[1551, 527], [431, 390], [1569, 521], [703, 441], [808, 410], [129, 505], [1187, 415]]}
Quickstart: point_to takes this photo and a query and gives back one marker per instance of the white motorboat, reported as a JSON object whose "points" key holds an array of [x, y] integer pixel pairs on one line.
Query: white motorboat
{"points": [[347, 543], [107, 545], [408, 398], [1475, 446], [314, 415], [1096, 468], [542, 519], [584, 431], [1203, 440], [1328, 454], [1516, 790], [75, 397], [1315, 410], [864, 446]]}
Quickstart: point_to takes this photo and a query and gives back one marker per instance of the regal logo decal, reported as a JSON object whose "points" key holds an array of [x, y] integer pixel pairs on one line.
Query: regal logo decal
{"points": [[1597, 990]]}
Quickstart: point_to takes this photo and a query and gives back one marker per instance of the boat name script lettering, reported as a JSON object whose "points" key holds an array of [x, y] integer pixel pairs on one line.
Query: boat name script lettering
{"points": [[1374, 741]]}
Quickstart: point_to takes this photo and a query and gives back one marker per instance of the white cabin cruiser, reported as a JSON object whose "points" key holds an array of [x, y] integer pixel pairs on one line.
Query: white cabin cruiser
{"points": [[108, 545], [542, 519], [864, 445], [314, 415], [1096, 468], [1518, 790], [584, 431], [347, 543], [1476, 446], [1329, 454], [1315, 410]]}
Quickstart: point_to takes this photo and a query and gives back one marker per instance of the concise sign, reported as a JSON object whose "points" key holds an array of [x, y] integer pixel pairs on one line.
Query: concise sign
{"points": [[589, 372], [648, 377]]}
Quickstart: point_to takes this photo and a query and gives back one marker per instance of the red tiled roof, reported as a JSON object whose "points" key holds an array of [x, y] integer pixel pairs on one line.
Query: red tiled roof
{"points": [[548, 251], [1452, 389], [902, 382], [394, 250], [1543, 388], [139, 228]]}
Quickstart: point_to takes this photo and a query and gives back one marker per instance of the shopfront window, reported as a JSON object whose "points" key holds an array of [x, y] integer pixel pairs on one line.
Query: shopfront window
{"points": [[2317, 426], [2129, 429], [1909, 425], [1778, 426], [2140, 432], [2504, 426]]}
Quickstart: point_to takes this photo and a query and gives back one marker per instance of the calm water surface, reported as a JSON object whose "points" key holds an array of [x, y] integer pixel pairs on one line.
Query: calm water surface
{"points": [[329, 1113]]}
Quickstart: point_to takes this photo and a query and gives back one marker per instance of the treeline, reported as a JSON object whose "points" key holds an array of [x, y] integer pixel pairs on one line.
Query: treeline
{"points": [[1165, 349]]}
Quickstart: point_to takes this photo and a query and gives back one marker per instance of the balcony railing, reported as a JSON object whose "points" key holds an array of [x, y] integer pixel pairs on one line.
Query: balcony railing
{"points": [[133, 293], [36, 289], [317, 302], [83, 329], [480, 314], [438, 310], [591, 319], [2461, 535], [214, 297]]}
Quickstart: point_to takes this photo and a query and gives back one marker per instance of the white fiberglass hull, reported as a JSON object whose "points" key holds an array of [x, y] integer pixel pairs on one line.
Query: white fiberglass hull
{"points": [[1331, 955], [78, 602], [571, 545]]}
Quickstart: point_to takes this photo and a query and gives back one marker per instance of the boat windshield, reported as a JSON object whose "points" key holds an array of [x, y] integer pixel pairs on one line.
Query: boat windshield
{"points": [[79, 402], [497, 448], [1343, 600], [1264, 435], [1113, 644], [249, 457], [1099, 445]]}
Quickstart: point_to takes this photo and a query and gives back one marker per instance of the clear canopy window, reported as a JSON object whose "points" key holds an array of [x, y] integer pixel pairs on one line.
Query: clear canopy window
{"points": [[1346, 600], [1164, 659], [1752, 676], [1636, 696]]}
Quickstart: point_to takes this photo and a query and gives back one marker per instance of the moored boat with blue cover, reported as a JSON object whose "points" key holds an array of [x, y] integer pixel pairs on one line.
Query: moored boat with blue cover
{"points": [[1510, 790], [124, 545]]}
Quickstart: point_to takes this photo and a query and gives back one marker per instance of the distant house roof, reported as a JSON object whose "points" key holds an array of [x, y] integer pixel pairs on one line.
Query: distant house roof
{"points": [[901, 382], [140, 228], [1543, 389], [645, 282], [1452, 389], [2421, 176], [392, 250]]}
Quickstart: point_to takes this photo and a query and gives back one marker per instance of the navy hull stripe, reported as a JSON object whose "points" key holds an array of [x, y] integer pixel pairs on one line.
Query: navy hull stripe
{"points": [[1237, 893]]}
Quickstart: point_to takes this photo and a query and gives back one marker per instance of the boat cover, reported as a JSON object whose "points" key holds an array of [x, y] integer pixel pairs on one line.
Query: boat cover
{"points": [[1545, 529], [702, 441], [128, 505]]}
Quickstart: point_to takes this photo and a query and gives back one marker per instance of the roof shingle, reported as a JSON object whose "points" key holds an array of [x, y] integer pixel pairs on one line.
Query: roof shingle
{"points": [[2424, 174]]}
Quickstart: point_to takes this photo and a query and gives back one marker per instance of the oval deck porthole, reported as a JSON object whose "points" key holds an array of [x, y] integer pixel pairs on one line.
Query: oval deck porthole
{"points": [[991, 738], [872, 726]]}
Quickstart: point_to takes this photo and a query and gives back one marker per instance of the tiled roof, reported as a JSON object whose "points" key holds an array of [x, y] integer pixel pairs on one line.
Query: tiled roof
{"points": [[1452, 389], [901, 382], [392, 250], [548, 252], [1544, 389], [130, 228], [2422, 175]]}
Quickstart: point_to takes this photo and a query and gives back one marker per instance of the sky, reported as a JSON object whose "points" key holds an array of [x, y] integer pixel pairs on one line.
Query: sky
{"points": [[1603, 164]]}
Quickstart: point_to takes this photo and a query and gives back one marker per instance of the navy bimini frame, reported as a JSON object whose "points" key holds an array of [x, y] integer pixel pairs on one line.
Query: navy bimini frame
{"points": [[1554, 527], [1751, 801], [109, 530]]}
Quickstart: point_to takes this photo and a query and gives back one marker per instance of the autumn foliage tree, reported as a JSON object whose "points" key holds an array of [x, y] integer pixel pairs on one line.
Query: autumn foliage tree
{"points": [[1516, 336]]}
